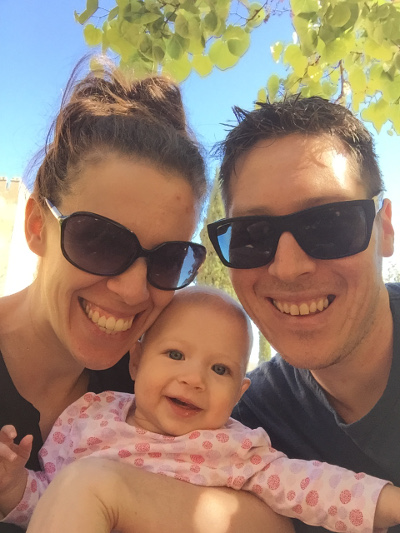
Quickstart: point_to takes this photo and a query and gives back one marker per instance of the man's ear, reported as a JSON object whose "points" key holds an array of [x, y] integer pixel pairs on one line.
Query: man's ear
{"points": [[387, 235], [135, 356], [34, 226]]}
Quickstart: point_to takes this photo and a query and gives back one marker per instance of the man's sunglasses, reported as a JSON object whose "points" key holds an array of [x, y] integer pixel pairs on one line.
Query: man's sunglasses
{"points": [[101, 246], [329, 231]]}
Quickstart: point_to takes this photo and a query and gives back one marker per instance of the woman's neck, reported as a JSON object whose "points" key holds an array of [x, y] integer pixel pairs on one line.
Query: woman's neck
{"points": [[30, 349]]}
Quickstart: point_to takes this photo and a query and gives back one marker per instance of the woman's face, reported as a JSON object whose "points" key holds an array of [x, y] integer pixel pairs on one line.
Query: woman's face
{"points": [[157, 206]]}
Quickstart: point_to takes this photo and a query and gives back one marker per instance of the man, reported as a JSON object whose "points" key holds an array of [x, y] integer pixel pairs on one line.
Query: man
{"points": [[312, 283]]}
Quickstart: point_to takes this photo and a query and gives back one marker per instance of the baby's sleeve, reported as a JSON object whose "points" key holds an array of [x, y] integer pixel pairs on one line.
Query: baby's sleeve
{"points": [[37, 483], [53, 456], [318, 494]]}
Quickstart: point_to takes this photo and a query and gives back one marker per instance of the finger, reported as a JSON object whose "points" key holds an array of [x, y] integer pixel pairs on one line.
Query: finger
{"points": [[9, 431], [6, 453], [25, 447]]}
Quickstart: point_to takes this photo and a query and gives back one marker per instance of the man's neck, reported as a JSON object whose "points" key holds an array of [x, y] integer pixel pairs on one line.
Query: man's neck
{"points": [[354, 385]]}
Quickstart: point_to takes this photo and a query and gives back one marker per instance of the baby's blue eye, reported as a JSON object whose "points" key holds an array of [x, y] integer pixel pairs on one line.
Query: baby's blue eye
{"points": [[221, 370], [174, 354]]}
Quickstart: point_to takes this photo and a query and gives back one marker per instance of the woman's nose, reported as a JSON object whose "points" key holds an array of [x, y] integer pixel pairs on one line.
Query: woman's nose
{"points": [[132, 285]]}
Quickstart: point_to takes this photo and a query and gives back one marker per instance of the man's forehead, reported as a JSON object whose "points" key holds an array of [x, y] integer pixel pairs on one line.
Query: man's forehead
{"points": [[308, 169]]}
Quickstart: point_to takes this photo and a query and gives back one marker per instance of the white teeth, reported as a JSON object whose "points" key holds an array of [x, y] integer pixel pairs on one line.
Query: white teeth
{"points": [[302, 309], [108, 325], [119, 324]]}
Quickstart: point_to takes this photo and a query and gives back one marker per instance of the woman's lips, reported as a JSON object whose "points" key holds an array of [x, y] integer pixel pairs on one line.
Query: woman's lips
{"points": [[105, 321]]}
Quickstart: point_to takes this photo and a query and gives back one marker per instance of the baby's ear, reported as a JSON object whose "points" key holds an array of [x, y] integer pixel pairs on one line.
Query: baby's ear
{"points": [[245, 385], [135, 355]]}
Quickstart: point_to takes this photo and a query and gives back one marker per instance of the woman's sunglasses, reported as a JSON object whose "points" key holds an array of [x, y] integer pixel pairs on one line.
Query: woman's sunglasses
{"points": [[101, 246], [329, 231]]}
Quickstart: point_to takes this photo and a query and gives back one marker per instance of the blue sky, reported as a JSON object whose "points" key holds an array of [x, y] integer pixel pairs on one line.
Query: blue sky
{"points": [[41, 42]]}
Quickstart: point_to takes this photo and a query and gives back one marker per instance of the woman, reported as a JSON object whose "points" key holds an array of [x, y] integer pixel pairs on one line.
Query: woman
{"points": [[115, 202]]}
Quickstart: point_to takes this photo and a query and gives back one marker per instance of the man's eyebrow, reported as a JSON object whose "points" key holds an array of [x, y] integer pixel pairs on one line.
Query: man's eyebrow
{"points": [[305, 204]]}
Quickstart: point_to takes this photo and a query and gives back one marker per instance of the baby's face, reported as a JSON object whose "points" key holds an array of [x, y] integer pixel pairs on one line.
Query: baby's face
{"points": [[191, 372]]}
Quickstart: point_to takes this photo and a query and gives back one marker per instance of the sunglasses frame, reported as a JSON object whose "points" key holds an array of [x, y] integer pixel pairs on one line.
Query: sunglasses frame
{"points": [[371, 209], [142, 252]]}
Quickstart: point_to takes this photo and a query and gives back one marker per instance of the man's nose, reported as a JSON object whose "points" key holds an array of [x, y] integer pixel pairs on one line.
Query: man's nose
{"points": [[290, 260]]}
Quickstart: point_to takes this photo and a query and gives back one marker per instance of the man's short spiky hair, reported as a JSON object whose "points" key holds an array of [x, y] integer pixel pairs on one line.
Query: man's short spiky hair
{"points": [[304, 116]]}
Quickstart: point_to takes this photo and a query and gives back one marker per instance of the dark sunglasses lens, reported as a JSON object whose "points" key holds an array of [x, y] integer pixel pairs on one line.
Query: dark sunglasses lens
{"points": [[333, 232], [96, 245], [173, 265], [247, 243]]}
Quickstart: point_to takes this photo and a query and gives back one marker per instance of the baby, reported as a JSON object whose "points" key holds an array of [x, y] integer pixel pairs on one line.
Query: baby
{"points": [[189, 373]]}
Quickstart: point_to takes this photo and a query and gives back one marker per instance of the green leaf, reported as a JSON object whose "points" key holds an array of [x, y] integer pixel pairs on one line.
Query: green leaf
{"points": [[378, 51], [335, 51], [146, 46], [394, 116], [256, 15], [179, 70], [131, 32], [148, 18], [276, 50], [396, 61], [220, 55], [262, 96], [295, 58], [174, 48], [159, 52], [377, 113], [238, 40], [315, 72], [273, 84], [211, 21], [391, 89], [113, 13], [182, 25], [202, 65], [357, 79], [339, 15], [93, 36], [304, 6], [91, 8]]}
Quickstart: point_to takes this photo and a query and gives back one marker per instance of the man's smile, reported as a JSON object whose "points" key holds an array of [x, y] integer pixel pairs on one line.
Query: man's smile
{"points": [[316, 305]]}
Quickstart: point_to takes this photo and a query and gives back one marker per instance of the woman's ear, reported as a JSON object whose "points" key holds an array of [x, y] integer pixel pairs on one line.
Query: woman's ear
{"points": [[135, 355], [34, 226], [387, 236]]}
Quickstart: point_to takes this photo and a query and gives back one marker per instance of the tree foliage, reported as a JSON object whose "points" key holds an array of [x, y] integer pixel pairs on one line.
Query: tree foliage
{"points": [[347, 51], [344, 50], [213, 272], [392, 273], [173, 36], [264, 349]]}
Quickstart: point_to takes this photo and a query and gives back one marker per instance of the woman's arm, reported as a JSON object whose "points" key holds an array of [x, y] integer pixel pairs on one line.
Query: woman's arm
{"points": [[98, 495]]}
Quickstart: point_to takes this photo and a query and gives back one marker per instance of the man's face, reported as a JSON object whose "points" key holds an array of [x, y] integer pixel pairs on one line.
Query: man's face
{"points": [[343, 300]]}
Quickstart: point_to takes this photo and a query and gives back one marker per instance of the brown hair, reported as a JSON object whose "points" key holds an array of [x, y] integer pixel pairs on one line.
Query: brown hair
{"points": [[303, 116], [105, 111]]}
